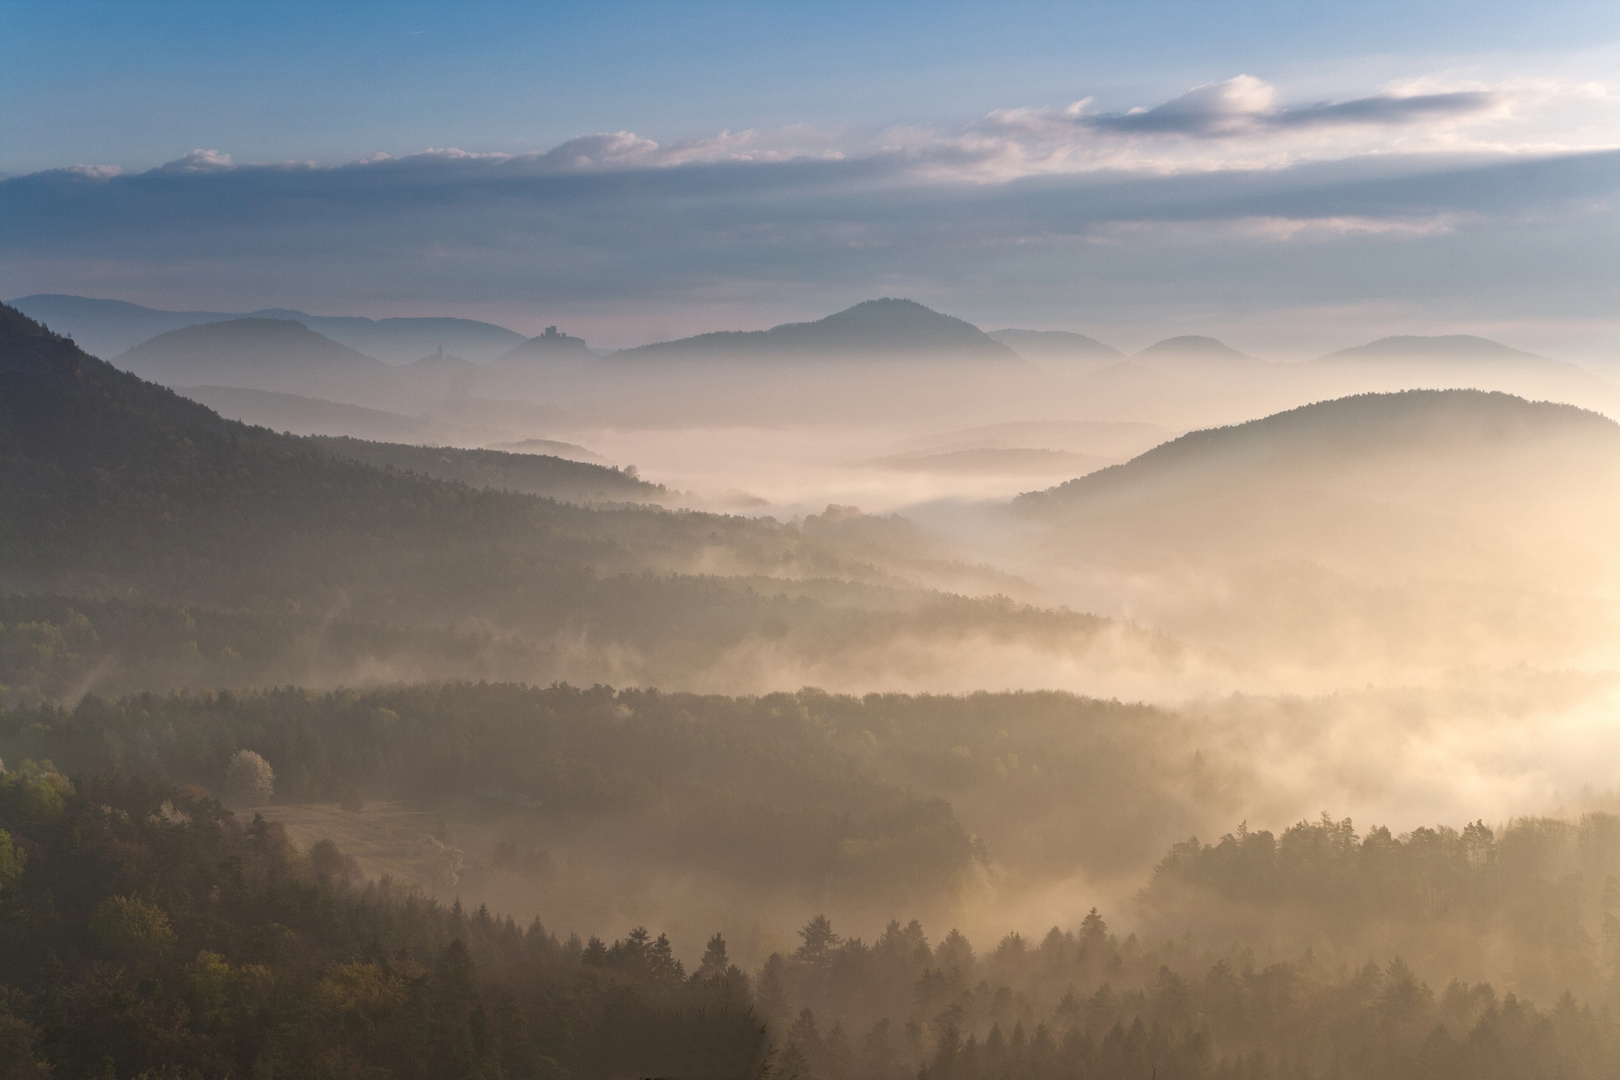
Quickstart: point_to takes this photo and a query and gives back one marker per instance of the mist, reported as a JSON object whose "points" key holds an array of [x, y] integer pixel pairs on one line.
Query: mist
{"points": [[1114, 584]]}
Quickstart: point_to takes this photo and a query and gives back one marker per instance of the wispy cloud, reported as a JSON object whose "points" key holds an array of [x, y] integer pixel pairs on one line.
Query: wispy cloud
{"points": [[1245, 105], [1015, 205]]}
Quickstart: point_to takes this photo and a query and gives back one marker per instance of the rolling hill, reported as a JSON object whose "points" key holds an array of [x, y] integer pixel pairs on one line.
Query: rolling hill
{"points": [[1058, 348], [1446, 347], [108, 327], [1455, 430], [1196, 357], [1422, 527], [531, 473], [253, 350], [549, 349], [1456, 361], [303, 415], [115, 487], [873, 329]]}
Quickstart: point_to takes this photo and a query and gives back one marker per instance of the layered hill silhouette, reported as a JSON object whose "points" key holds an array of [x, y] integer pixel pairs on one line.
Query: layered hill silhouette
{"points": [[1458, 361], [108, 327], [114, 482], [1058, 347], [1445, 347], [302, 415], [113, 486], [1195, 357], [1449, 432], [1377, 517], [278, 351], [885, 328], [532, 473], [551, 348]]}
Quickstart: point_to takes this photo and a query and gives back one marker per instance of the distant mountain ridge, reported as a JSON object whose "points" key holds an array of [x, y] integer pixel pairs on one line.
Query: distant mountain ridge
{"points": [[1193, 355], [106, 328], [902, 329], [1057, 346], [1440, 347], [259, 348], [1191, 345], [549, 348]]}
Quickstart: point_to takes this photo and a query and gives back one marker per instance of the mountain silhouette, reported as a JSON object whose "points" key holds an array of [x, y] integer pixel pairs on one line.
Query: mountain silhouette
{"points": [[252, 350], [1442, 347], [1308, 444], [880, 329], [549, 348], [1057, 347], [1425, 527], [106, 328], [1191, 346]]}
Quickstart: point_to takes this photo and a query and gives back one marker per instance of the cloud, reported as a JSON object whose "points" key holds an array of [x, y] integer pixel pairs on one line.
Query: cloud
{"points": [[1245, 105], [1277, 201], [198, 161], [1389, 110], [94, 172]]}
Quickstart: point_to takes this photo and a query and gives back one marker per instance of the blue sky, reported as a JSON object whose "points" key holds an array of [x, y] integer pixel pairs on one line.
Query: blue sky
{"points": [[1298, 172]]}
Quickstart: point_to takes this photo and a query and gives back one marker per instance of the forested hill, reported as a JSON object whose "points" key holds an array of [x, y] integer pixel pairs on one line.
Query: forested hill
{"points": [[1442, 425], [256, 347], [871, 329], [535, 474], [108, 479], [145, 933], [110, 486]]}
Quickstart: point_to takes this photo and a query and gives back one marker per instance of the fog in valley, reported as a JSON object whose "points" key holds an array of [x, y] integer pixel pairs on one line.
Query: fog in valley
{"points": [[1346, 589], [1105, 590]]}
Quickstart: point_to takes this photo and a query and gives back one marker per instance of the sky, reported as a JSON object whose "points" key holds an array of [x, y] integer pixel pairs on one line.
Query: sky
{"points": [[1292, 177]]}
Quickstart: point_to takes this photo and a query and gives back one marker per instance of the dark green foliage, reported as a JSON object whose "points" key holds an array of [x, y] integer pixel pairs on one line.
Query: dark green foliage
{"points": [[536, 474], [54, 648], [1542, 889], [152, 934], [752, 788], [1086, 1005]]}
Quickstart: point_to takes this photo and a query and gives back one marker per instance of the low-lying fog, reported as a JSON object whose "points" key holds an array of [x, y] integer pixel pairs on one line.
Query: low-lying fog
{"points": [[1400, 609]]}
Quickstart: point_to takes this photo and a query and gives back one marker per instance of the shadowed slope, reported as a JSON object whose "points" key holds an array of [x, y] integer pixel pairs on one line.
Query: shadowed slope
{"points": [[1425, 527], [113, 486], [1334, 435], [261, 348]]}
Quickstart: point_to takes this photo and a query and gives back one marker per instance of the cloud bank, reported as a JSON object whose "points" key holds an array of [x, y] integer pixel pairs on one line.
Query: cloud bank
{"points": [[1220, 196]]}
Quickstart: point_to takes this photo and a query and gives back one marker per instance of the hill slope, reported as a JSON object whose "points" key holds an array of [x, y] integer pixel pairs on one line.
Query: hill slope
{"points": [[255, 349], [1333, 437], [550, 348], [883, 328], [1437, 526], [109, 327], [1058, 347], [1444, 347], [113, 486], [532, 473], [1195, 357]]}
